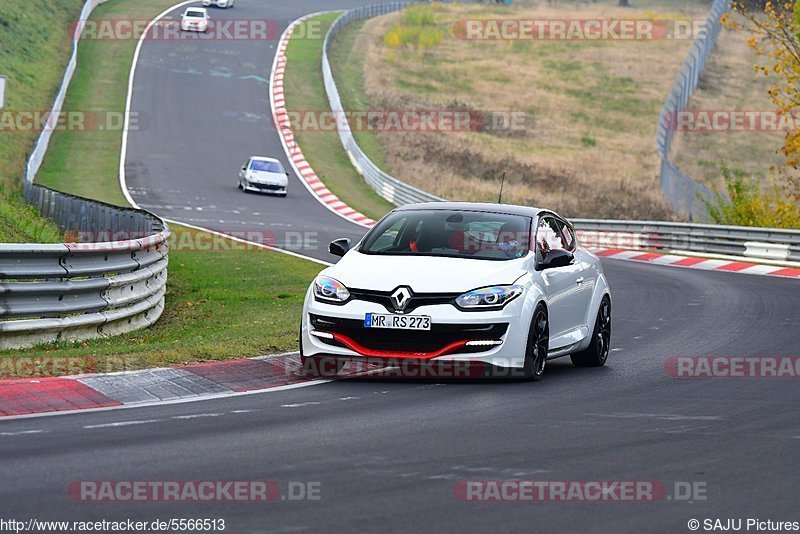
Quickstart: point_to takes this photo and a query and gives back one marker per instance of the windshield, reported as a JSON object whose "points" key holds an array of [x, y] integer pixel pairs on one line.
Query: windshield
{"points": [[195, 14], [267, 166], [450, 233]]}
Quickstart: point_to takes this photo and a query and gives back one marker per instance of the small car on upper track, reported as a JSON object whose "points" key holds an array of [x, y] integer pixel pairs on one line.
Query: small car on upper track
{"points": [[264, 175], [224, 4], [195, 19], [507, 287]]}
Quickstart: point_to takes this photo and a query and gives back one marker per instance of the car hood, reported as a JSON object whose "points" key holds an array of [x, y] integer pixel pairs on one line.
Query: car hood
{"points": [[423, 274], [264, 176]]}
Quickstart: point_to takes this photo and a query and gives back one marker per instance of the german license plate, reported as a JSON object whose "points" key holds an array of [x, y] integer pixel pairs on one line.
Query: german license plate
{"points": [[397, 322]]}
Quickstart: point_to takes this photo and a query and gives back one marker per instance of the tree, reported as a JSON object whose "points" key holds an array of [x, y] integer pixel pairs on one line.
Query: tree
{"points": [[775, 37]]}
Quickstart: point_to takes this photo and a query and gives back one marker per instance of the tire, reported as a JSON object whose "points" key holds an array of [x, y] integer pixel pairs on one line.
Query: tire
{"points": [[596, 354], [537, 346]]}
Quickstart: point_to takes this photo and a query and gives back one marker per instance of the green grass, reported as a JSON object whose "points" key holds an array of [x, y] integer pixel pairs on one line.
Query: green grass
{"points": [[305, 91], [86, 163], [33, 62], [219, 305]]}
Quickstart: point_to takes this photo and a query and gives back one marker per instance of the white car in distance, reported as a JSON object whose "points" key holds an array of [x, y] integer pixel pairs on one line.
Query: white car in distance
{"points": [[491, 284], [195, 19], [264, 175], [224, 4]]}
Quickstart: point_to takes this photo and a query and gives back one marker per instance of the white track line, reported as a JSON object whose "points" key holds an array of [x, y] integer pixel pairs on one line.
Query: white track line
{"points": [[124, 148]]}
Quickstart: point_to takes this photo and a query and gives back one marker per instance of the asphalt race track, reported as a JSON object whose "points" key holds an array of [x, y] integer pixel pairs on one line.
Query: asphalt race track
{"points": [[388, 454], [203, 110]]}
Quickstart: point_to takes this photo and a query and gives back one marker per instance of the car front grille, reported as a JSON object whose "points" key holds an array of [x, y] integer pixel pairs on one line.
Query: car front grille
{"points": [[439, 336], [267, 187], [419, 299]]}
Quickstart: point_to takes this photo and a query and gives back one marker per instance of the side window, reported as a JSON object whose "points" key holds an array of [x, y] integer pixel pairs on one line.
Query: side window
{"points": [[567, 236], [549, 236], [390, 236]]}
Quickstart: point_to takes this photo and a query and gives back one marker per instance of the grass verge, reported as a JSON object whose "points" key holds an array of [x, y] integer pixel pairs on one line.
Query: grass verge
{"points": [[233, 302], [33, 62], [83, 162], [305, 93], [584, 111]]}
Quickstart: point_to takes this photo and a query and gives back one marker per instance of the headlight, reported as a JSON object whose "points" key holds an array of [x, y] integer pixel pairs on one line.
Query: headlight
{"points": [[494, 297], [330, 290]]}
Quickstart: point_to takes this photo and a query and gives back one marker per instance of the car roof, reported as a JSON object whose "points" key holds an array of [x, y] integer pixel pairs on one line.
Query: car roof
{"points": [[508, 209], [190, 8], [264, 158]]}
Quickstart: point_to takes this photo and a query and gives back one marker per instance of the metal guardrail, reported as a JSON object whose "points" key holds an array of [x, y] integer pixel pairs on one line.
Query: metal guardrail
{"points": [[389, 187], [757, 243], [682, 193], [94, 288], [111, 280]]}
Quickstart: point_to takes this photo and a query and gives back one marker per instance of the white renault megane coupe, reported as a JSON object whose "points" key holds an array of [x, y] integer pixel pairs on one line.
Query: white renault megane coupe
{"points": [[498, 285]]}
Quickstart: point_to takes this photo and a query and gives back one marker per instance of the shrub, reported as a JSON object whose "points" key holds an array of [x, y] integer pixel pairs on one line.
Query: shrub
{"points": [[748, 205]]}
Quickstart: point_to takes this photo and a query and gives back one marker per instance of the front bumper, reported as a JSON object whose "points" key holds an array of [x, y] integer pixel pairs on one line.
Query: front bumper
{"points": [[495, 338], [193, 27], [274, 189]]}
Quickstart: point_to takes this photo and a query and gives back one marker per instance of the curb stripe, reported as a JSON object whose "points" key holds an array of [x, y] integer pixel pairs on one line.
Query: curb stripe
{"points": [[691, 262], [304, 171]]}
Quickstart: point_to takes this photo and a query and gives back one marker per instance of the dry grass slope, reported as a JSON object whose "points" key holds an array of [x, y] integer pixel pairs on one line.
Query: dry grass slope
{"points": [[590, 107]]}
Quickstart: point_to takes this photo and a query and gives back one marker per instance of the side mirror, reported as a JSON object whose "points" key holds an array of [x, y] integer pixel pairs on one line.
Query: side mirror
{"points": [[339, 247], [556, 258], [287, 173]]}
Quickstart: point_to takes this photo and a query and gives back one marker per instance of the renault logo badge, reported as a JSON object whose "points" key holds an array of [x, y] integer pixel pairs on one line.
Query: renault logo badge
{"points": [[400, 298]]}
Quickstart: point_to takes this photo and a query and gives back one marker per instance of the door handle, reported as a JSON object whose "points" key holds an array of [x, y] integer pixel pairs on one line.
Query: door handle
{"points": [[579, 280]]}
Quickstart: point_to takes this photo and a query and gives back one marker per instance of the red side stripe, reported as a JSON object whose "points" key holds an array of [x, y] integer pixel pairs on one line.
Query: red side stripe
{"points": [[26, 396], [735, 266], [688, 262]]}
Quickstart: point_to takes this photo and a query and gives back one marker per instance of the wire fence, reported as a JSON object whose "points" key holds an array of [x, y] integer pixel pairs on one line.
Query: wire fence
{"points": [[681, 193]]}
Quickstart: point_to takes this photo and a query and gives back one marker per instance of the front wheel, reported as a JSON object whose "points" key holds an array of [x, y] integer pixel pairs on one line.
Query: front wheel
{"points": [[597, 352], [538, 345]]}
